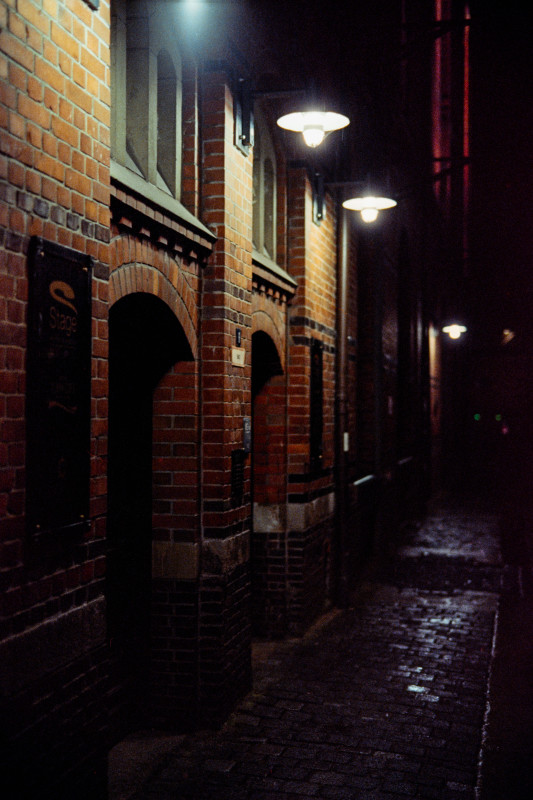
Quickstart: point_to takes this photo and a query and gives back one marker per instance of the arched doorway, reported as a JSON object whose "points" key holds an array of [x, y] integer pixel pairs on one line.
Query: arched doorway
{"points": [[145, 341], [269, 468]]}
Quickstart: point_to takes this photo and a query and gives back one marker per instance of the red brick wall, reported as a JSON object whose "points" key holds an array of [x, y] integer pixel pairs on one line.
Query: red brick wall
{"points": [[312, 251], [299, 364], [312, 261], [54, 183], [176, 518], [269, 443], [175, 463], [54, 163]]}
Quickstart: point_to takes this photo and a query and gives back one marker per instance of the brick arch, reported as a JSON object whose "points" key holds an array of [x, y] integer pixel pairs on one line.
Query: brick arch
{"points": [[133, 278], [261, 321]]}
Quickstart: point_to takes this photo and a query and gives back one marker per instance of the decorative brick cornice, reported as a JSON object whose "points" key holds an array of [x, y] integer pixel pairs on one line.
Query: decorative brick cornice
{"points": [[133, 213], [271, 280], [271, 291], [272, 286]]}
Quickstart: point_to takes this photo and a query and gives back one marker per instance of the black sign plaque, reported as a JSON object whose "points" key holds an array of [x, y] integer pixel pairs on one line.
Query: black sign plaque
{"points": [[58, 387]]}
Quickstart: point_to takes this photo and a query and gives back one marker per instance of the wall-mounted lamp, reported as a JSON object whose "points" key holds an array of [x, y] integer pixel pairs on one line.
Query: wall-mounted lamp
{"points": [[369, 206], [454, 330], [313, 125]]}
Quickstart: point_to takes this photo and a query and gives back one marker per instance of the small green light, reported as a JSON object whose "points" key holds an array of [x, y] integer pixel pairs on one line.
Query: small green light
{"points": [[477, 417], [498, 417]]}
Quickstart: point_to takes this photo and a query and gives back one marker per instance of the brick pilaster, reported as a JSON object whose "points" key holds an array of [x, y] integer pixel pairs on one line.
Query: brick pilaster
{"points": [[226, 400]]}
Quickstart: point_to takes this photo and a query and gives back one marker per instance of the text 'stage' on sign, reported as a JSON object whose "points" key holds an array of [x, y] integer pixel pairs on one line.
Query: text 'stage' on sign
{"points": [[58, 387]]}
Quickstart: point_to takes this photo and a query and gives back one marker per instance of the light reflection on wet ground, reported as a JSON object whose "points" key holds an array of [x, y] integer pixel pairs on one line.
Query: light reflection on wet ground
{"points": [[386, 699]]}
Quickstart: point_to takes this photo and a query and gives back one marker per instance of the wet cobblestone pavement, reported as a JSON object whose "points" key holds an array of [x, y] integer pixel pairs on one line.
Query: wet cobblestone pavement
{"points": [[386, 699]]}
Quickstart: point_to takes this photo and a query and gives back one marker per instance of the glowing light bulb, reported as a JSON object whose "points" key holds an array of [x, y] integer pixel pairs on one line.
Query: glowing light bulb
{"points": [[369, 214], [313, 135]]}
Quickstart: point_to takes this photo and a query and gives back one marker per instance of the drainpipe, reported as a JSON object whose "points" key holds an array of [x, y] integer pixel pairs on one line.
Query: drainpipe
{"points": [[379, 530], [199, 711], [341, 415]]}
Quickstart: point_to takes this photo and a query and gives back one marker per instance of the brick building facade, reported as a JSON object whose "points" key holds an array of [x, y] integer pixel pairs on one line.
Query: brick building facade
{"points": [[191, 456]]}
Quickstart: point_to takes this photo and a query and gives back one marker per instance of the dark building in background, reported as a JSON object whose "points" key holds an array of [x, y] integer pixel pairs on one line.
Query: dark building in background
{"points": [[498, 421], [221, 392]]}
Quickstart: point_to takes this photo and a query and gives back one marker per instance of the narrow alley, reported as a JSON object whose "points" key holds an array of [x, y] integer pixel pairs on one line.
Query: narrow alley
{"points": [[265, 300], [387, 699]]}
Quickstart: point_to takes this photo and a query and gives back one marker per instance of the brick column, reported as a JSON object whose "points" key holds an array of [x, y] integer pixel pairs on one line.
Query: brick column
{"points": [[311, 500], [226, 309]]}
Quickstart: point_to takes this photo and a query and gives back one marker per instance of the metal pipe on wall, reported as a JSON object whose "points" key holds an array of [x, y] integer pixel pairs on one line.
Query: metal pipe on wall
{"points": [[341, 416]]}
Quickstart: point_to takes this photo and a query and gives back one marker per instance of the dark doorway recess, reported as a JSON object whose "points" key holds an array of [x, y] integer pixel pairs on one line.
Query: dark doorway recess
{"points": [[145, 341], [268, 488], [265, 361]]}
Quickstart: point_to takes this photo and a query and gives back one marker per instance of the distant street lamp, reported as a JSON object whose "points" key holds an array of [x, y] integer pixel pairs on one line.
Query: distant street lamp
{"points": [[454, 330]]}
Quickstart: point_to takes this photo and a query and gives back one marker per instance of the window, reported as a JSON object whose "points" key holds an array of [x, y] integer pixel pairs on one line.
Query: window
{"points": [[146, 93], [264, 190], [166, 122]]}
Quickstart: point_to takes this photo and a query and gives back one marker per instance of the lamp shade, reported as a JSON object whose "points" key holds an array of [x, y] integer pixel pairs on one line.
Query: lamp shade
{"points": [[313, 125], [369, 206]]}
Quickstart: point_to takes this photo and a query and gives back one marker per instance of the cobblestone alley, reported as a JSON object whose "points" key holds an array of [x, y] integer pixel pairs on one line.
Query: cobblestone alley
{"points": [[387, 699]]}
